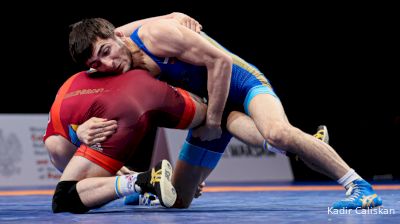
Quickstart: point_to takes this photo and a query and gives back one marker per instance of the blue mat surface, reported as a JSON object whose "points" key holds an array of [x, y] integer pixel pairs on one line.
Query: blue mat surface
{"points": [[212, 207]]}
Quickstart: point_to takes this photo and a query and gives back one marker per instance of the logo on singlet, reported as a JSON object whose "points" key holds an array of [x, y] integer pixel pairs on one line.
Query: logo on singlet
{"points": [[83, 92], [97, 147]]}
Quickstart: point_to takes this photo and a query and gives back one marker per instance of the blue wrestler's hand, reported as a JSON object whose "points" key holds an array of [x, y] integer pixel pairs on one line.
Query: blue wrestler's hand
{"points": [[207, 133]]}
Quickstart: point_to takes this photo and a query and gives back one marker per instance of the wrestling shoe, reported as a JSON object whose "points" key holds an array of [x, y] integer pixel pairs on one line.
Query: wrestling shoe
{"points": [[158, 181], [132, 199], [147, 199], [359, 195], [322, 134]]}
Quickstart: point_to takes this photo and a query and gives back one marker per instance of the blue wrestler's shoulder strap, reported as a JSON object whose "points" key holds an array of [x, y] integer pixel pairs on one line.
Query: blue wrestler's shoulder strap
{"points": [[135, 37], [72, 134]]}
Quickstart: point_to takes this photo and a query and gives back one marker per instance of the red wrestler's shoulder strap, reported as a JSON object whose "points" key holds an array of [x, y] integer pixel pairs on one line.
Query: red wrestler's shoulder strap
{"points": [[189, 111]]}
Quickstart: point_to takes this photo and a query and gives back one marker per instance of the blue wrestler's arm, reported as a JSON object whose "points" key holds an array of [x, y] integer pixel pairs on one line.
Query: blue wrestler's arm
{"points": [[182, 19], [168, 39]]}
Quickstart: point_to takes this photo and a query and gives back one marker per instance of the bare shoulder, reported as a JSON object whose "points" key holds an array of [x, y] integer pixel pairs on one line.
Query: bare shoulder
{"points": [[163, 37], [159, 29]]}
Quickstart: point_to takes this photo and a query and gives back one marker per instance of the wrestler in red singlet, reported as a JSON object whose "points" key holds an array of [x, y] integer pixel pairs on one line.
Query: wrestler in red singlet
{"points": [[135, 99]]}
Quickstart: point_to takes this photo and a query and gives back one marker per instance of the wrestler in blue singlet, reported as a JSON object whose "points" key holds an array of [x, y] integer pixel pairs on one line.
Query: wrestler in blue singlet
{"points": [[246, 82]]}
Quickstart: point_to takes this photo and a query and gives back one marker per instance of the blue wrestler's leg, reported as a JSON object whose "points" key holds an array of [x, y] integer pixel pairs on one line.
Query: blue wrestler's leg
{"points": [[242, 127], [270, 119], [196, 161]]}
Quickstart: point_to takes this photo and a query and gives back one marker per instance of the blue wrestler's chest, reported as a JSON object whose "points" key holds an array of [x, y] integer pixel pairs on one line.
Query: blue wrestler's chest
{"points": [[194, 79], [186, 76]]}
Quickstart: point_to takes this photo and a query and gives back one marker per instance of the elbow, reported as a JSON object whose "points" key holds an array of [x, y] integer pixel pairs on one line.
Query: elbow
{"points": [[57, 163], [55, 158], [226, 63], [223, 63], [220, 68], [52, 151], [60, 151]]}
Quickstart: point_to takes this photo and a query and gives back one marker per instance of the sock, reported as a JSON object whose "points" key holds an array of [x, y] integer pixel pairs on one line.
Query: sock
{"points": [[126, 185], [271, 148], [348, 178]]}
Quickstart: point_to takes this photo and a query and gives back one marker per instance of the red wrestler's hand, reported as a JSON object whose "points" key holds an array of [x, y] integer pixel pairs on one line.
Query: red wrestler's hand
{"points": [[124, 171], [96, 130], [207, 133]]}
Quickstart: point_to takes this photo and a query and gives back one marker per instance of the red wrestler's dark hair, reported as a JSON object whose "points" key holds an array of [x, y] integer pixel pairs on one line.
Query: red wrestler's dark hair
{"points": [[84, 34]]}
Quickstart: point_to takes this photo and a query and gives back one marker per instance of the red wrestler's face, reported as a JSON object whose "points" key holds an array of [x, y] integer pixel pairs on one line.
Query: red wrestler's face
{"points": [[110, 56]]}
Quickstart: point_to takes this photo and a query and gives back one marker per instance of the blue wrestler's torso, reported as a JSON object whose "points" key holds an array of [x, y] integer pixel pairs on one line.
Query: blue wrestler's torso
{"points": [[176, 72], [193, 78]]}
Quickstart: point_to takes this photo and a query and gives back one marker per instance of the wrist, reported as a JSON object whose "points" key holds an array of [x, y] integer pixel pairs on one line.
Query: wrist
{"points": [[213, 119], [213, 123]]}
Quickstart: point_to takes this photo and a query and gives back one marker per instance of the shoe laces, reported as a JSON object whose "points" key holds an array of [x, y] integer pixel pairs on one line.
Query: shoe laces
{"points": [[352, 193], [148, 200], [155, 176], [144, 201], [320, 135]]}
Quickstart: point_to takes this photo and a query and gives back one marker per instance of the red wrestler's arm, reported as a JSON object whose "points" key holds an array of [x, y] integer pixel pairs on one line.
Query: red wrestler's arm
{"points": [[60, 151]]}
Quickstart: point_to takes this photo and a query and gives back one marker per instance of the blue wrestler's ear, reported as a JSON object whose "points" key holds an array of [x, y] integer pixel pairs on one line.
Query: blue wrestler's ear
{"points": [[118, 33]]}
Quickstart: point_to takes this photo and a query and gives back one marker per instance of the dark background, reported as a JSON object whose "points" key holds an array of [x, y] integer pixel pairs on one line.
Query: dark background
{"points": [[330, 64]]}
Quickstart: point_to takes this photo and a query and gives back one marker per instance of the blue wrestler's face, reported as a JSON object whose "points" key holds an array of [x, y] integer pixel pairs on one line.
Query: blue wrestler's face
{"points": [[110, 56]]}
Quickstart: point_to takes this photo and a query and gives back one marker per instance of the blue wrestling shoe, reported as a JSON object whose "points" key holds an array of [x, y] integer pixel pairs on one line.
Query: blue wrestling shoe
{"points": [[147, 199], [359, 195], [132, 199]]}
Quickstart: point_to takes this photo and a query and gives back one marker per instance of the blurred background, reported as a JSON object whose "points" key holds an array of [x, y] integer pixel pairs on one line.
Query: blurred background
{"points": [[330, 64]]}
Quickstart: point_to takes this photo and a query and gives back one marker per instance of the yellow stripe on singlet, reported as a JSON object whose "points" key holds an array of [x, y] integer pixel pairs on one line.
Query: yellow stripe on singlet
{"points": [[239, 61]]}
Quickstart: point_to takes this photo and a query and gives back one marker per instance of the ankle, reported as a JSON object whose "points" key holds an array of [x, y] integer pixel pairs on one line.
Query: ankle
{"points": [[143, 181], [126, 185], [348, 178]]}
